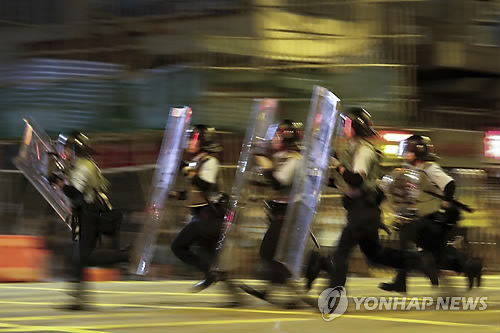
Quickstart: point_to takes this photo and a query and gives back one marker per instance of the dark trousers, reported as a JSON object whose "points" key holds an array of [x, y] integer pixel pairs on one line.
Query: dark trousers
{"points": [[432, 237], [204, 230], [85, 251], [363, 220], [275, 271]]}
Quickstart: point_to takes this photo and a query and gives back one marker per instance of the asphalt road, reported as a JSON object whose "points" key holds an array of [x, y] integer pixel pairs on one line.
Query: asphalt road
{"points": [[169, 306]]}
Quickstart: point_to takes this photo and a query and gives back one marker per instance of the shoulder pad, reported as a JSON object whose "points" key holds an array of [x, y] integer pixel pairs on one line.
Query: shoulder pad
{"points": [[294, 154]]}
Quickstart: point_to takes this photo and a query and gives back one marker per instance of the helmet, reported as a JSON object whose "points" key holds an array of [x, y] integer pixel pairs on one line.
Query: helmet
{"points": [[288, 133], [206, 137], [77, 141], [360, 121], [421, 146]]}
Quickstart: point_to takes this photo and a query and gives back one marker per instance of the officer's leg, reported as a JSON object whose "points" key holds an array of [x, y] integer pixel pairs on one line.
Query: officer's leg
{"points": [[313, 267], [276, 274], [184, 240], [82, 247], [369, 244], [274, 271], [207, 235], [371, 247], [406, 238], [347, 241], [103, 257]]}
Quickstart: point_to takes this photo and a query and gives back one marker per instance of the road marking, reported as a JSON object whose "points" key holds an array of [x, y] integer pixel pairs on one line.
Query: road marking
{"points": [[171, 307], [419, 321], [194, 323], [26, 328], [167, 293], [164, 293], [80, 316]]}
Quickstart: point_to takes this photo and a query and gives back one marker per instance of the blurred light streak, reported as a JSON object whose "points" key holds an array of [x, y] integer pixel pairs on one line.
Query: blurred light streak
{"points": [[492, 144]]}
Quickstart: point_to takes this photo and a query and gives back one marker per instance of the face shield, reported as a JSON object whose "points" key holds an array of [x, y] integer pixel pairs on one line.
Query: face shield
{"points": [[403, 147], [343, 124], [193, 144], [62, 140], [286, 136], [277, 139]]}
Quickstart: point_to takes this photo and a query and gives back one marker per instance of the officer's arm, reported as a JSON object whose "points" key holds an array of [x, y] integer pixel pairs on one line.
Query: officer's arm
{"points": [[201, 184], [77, 185], [283, 176], [361, 164], [449, 191], [207, 175], [442, 180], [267, 170]]}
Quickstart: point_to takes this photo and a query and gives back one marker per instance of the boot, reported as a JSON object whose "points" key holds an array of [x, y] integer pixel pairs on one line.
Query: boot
{"points": [[429, 267], [474, 270], [80, 299], [393, 286], [204, 284], [313, 269], [254, 292]]}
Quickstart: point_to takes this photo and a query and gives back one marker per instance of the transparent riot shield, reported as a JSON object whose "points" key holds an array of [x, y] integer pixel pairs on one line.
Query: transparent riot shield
{"points": [[309, 179], [258, 136], [402, 188], [37, 160], [167, 167]]}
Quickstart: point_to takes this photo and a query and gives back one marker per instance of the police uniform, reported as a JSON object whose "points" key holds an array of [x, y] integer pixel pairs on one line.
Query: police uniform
{"points": [[360, 170], [86, 188], [205, 225], [363, 216], [434, 226], [281, 176]]}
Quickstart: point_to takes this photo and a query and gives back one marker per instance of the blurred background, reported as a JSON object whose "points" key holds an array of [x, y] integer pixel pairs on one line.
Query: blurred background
{"points": [[114, 68]]}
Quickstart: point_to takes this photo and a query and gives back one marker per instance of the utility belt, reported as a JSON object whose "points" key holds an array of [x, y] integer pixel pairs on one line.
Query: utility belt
{"points": [[275, 210], [370, 197], [196, 198], [108, 219]]}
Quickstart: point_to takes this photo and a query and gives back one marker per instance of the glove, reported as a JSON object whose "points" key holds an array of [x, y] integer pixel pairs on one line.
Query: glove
{"points": [[264, 162], [179, 195], [334, 162], [52, 179], [384, 227]]}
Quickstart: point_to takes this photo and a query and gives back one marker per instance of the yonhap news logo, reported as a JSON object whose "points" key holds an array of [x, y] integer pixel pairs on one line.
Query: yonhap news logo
{"points": [[332, 303], [446, 303]]}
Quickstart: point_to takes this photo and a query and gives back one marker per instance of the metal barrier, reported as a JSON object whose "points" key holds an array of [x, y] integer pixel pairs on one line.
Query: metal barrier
{"points": [[129, 191], [122, 150]]}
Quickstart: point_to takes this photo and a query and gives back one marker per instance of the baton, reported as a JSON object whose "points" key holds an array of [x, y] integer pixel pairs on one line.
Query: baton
{"points": [[314, 240], [455, 202]]}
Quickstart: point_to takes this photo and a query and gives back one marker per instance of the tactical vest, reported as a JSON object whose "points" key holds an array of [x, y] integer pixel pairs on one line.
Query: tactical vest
{"points": [[95, 182], [426, 203], [374, 171], [196, 197], [283, 192]]}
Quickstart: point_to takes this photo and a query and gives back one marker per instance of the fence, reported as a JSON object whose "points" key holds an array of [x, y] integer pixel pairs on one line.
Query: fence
{"points": [[28, 214]]}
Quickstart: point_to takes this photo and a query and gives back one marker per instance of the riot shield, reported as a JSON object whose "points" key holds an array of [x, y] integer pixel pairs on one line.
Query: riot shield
{"points": [[309, 178], [167, 167], [402, 188], [258, 136], [37, 160]]}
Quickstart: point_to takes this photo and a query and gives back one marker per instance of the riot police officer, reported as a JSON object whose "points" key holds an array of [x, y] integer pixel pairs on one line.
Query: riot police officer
{"points": [[359, 169], [206, 215], [436, 218], [92, 213], [279, 170]]}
